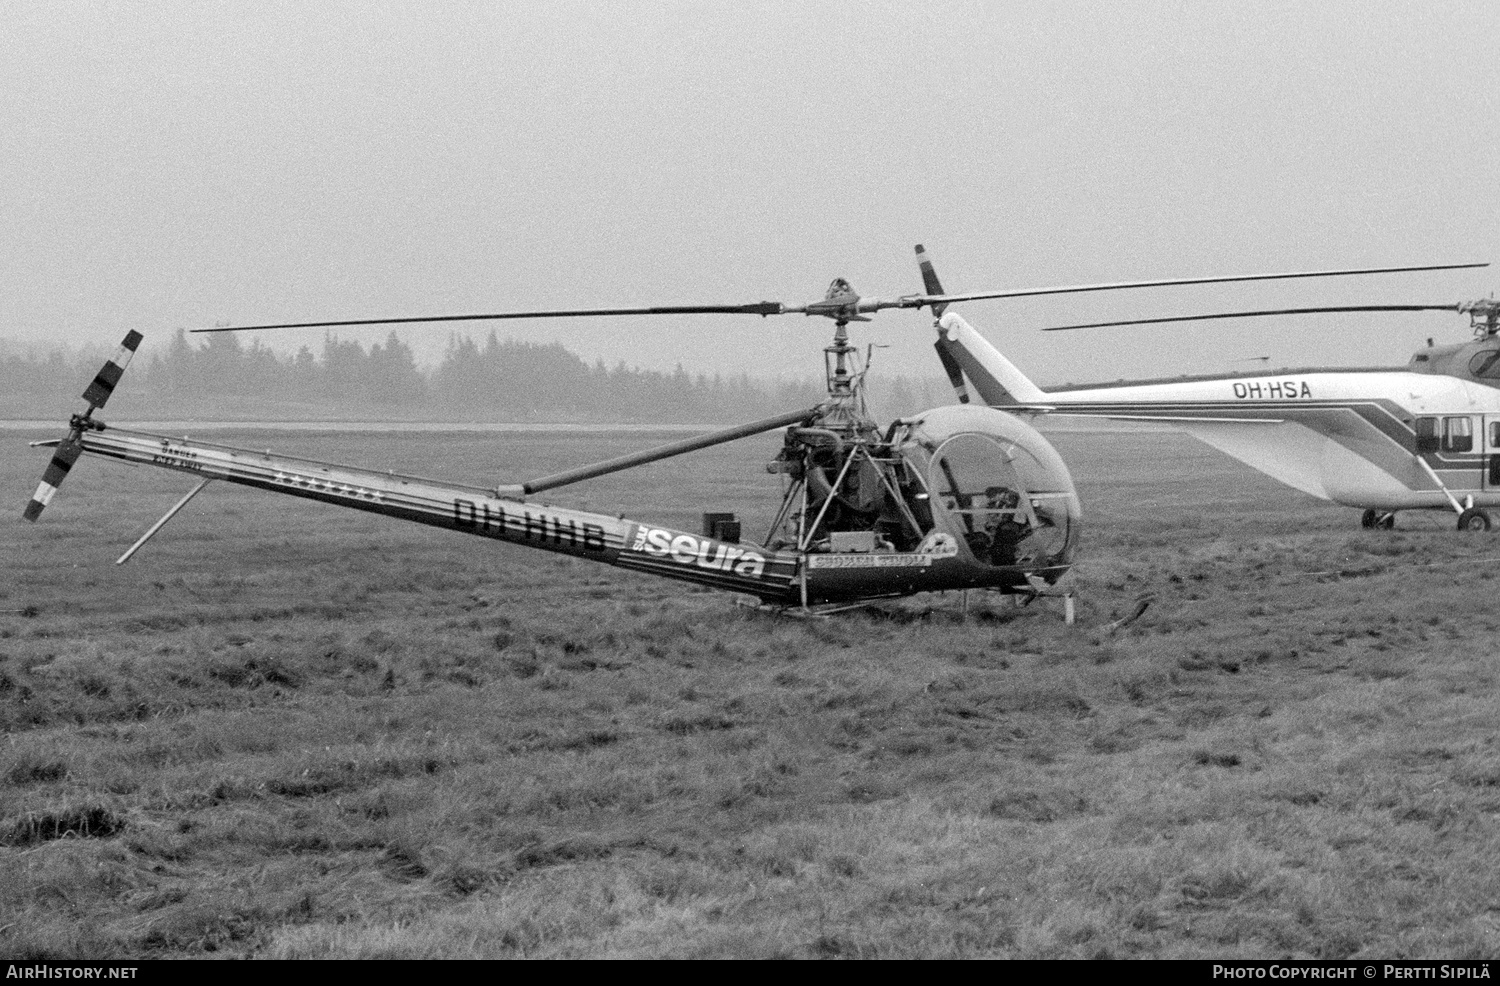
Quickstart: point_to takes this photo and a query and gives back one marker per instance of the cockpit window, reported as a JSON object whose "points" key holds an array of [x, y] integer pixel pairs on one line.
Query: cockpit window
{"points": [[1486, 365]]}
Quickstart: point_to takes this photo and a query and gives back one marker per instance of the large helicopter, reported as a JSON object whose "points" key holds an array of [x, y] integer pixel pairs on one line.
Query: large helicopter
{"points": [[1421, 437], [957, 497]]}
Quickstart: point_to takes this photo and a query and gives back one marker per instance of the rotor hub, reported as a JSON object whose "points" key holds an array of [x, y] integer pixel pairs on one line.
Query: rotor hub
{"points": [[839, 303], [1484, 316]]}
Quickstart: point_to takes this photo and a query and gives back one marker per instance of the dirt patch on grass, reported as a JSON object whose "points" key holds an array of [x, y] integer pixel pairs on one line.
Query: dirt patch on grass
{"points": [[80, 821], [556, 853]]}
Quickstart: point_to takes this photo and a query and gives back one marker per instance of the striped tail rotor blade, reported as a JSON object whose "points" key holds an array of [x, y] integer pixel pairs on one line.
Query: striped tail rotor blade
{"points": [[104, 384], [930, 282], [954, 371], [57, 470]]}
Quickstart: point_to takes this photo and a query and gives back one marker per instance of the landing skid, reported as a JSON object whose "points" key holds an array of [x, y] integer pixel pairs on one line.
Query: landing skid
{"points": [[1021, 600], [806, 612], [1040, 589]]}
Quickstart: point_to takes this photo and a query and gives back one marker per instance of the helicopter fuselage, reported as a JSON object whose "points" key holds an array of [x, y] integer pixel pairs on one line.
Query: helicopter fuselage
{"points": [[1358, 437], [1423, 436]]}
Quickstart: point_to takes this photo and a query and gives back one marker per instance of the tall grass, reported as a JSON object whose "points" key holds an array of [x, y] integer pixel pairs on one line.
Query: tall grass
{"points": [[286, 731]]}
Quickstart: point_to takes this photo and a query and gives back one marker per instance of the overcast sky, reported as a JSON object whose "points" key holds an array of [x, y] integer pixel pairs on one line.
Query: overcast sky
{"points": [[179, 164]]}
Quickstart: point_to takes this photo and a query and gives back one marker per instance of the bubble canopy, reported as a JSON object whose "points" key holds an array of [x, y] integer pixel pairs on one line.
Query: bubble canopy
{"points": [[996, 485]]}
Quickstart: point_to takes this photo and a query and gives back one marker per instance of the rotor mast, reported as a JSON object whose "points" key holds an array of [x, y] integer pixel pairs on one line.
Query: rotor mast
{"points": [[841, 304]]}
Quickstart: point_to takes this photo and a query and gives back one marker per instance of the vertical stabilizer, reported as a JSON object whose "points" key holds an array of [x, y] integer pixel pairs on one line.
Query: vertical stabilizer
{"points": [[996, 380]]}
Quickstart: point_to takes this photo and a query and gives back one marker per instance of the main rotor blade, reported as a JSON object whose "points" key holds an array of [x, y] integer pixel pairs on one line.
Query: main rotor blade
{"points": [[1278, 311], [835, 308], [757, 308], [918, 301]]}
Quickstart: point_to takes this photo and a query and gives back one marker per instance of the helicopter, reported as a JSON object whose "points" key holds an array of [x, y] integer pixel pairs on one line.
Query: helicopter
{"points": [[955, 498], [1421, 437]]}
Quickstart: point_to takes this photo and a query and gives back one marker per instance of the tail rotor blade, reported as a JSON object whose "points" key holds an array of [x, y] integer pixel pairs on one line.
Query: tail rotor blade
{"points": [[930, 282], [954, 370], [104, 384], [67, 453]]}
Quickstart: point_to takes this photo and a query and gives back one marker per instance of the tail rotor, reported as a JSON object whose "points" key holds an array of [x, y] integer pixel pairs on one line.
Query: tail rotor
{"points": [[71, 447]]}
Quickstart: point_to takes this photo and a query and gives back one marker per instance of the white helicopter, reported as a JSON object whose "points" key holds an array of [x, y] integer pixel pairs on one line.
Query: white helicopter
{"points": [[1421, 437]]}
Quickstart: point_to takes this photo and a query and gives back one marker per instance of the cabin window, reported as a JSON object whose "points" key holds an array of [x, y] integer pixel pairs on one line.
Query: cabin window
{"points": [[1486, 364], [1495, 434], [1427, 434], [1458, 435]]}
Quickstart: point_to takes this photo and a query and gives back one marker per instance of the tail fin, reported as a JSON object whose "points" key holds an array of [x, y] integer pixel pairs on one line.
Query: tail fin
{"points": [[996, 380], [964, 352]]}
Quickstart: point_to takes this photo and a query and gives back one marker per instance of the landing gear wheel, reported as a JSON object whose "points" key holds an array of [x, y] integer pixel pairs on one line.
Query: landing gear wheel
{"points": [[1377, 520], [1367, 519], [1474, 519]]}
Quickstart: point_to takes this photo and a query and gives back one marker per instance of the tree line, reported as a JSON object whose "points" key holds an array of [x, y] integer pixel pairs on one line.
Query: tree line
{"points": [[493, 380]]}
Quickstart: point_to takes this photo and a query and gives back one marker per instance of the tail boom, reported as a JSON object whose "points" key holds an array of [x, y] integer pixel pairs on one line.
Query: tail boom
{"points": [[770, 575]]}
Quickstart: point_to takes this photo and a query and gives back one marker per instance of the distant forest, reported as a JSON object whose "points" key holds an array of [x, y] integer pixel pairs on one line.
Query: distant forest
{"points": [[495, 380]]}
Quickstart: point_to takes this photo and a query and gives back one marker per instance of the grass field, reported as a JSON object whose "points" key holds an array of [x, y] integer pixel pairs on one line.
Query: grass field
{"points": [[286, 730]]}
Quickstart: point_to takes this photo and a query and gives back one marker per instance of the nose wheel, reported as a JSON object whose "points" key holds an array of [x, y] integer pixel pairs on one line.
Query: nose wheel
{"points": [[1474, 519], [1380, 520]]}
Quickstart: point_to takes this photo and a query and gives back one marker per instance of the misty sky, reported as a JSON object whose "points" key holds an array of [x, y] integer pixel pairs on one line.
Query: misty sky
{"points": [[177, 164]]}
